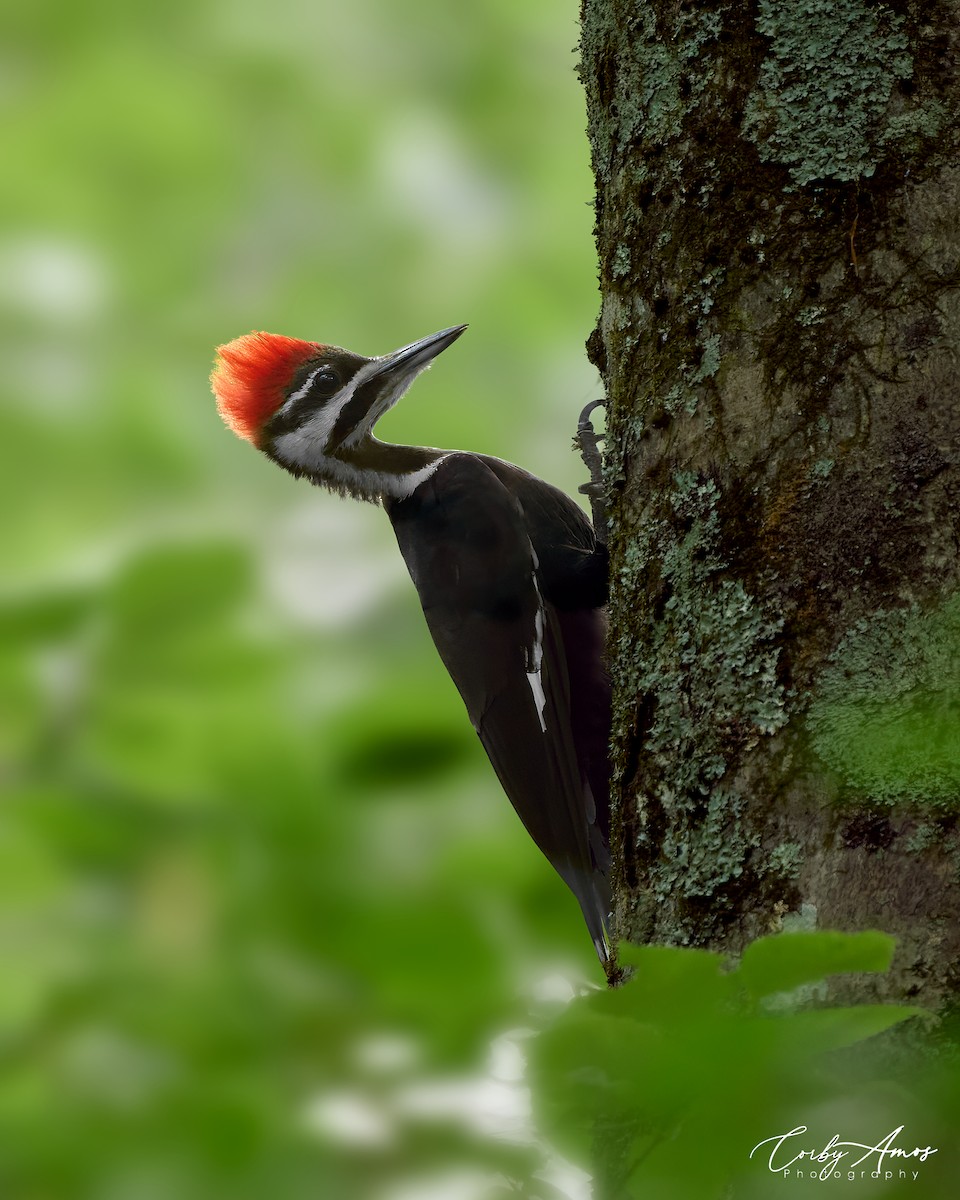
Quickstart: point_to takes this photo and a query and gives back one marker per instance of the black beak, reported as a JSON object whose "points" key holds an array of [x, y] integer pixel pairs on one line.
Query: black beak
{"points": [[406, 362], [389, 378]]}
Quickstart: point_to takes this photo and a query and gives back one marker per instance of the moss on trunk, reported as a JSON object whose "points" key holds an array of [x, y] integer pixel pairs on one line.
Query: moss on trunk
{"points": [[778, 227]]}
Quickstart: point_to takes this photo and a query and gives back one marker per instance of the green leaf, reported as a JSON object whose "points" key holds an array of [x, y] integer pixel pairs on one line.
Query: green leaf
{"points": [[668, 983], [586, 1069], [826, 1029], [785, 961], [671, 1067]]}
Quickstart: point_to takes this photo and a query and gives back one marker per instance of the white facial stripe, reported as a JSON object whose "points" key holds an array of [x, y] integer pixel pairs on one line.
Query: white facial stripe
{"points": [[302, 391], [349, 391], [305, 445], [383, 405]]}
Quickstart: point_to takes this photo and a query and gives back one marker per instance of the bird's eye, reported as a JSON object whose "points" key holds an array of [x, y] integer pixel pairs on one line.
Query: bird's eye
{"points": [[326, 382]]}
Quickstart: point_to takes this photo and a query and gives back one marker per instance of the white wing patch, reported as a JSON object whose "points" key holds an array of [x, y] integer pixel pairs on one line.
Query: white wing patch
{"points": [[534, 675]]}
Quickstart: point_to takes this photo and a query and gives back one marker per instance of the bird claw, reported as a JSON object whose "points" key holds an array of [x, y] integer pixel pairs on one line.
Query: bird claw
{"points": [[586, 440], [584, 424]]}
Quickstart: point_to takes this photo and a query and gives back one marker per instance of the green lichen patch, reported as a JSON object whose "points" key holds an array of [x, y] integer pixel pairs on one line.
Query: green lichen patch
{"points": [[821, 103], [926, 835], [886, 717], [703, 658], [703, 861], [649, 94], [786, 860], [709, 658]]}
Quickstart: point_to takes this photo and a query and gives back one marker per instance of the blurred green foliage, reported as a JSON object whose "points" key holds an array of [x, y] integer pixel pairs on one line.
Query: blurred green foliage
{"points": [[886, 718], [247, 835], [680, 1083], [267, 925]]}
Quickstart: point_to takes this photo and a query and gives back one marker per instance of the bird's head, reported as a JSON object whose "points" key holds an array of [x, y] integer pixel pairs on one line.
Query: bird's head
{"points": [[312, 408]]}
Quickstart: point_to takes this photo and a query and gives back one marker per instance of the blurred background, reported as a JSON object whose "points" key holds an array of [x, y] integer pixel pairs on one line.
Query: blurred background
{"points": [[268, 927]]}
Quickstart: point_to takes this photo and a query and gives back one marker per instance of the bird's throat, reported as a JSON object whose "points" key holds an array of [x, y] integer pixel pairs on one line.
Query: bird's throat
{"points": [[372, 470]]}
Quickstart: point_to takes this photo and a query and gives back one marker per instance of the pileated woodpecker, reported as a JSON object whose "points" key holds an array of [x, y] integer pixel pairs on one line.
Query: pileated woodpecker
{"points": [[511, 577]]}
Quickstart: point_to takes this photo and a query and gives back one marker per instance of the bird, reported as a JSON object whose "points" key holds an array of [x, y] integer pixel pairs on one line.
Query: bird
{"points": [[511, 576]]}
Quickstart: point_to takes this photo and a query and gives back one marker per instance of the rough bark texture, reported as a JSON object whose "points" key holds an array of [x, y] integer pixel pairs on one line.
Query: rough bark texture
{"points": [[778, 225]]}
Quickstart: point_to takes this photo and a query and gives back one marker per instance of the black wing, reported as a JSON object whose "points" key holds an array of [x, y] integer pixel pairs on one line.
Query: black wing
{"points": [[464, 539]]}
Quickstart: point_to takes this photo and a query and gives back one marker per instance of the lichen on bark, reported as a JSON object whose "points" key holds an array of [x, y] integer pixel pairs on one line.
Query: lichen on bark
{"points": [[778, 228], [823, 94], [706, 658]]}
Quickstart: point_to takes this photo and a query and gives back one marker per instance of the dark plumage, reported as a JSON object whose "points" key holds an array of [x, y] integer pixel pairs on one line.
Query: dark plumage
{"points": [[512, 585], [509, 572]]}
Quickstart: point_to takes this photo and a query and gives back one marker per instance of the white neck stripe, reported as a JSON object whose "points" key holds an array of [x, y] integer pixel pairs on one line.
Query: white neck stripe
{"points": [[367, 482]]}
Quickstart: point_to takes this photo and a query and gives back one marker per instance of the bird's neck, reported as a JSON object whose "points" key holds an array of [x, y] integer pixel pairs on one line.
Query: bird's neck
{"points": [[370, 469]]}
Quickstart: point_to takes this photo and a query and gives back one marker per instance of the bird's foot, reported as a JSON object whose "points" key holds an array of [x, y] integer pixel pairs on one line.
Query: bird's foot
{"points": [[585, 441]]}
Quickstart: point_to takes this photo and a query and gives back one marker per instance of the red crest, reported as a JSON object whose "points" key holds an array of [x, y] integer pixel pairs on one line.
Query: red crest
{"points": [[252, 377]]}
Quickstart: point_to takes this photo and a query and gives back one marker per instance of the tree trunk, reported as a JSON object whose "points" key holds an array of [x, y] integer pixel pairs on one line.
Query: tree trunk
{"points": [[778, 225]]}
